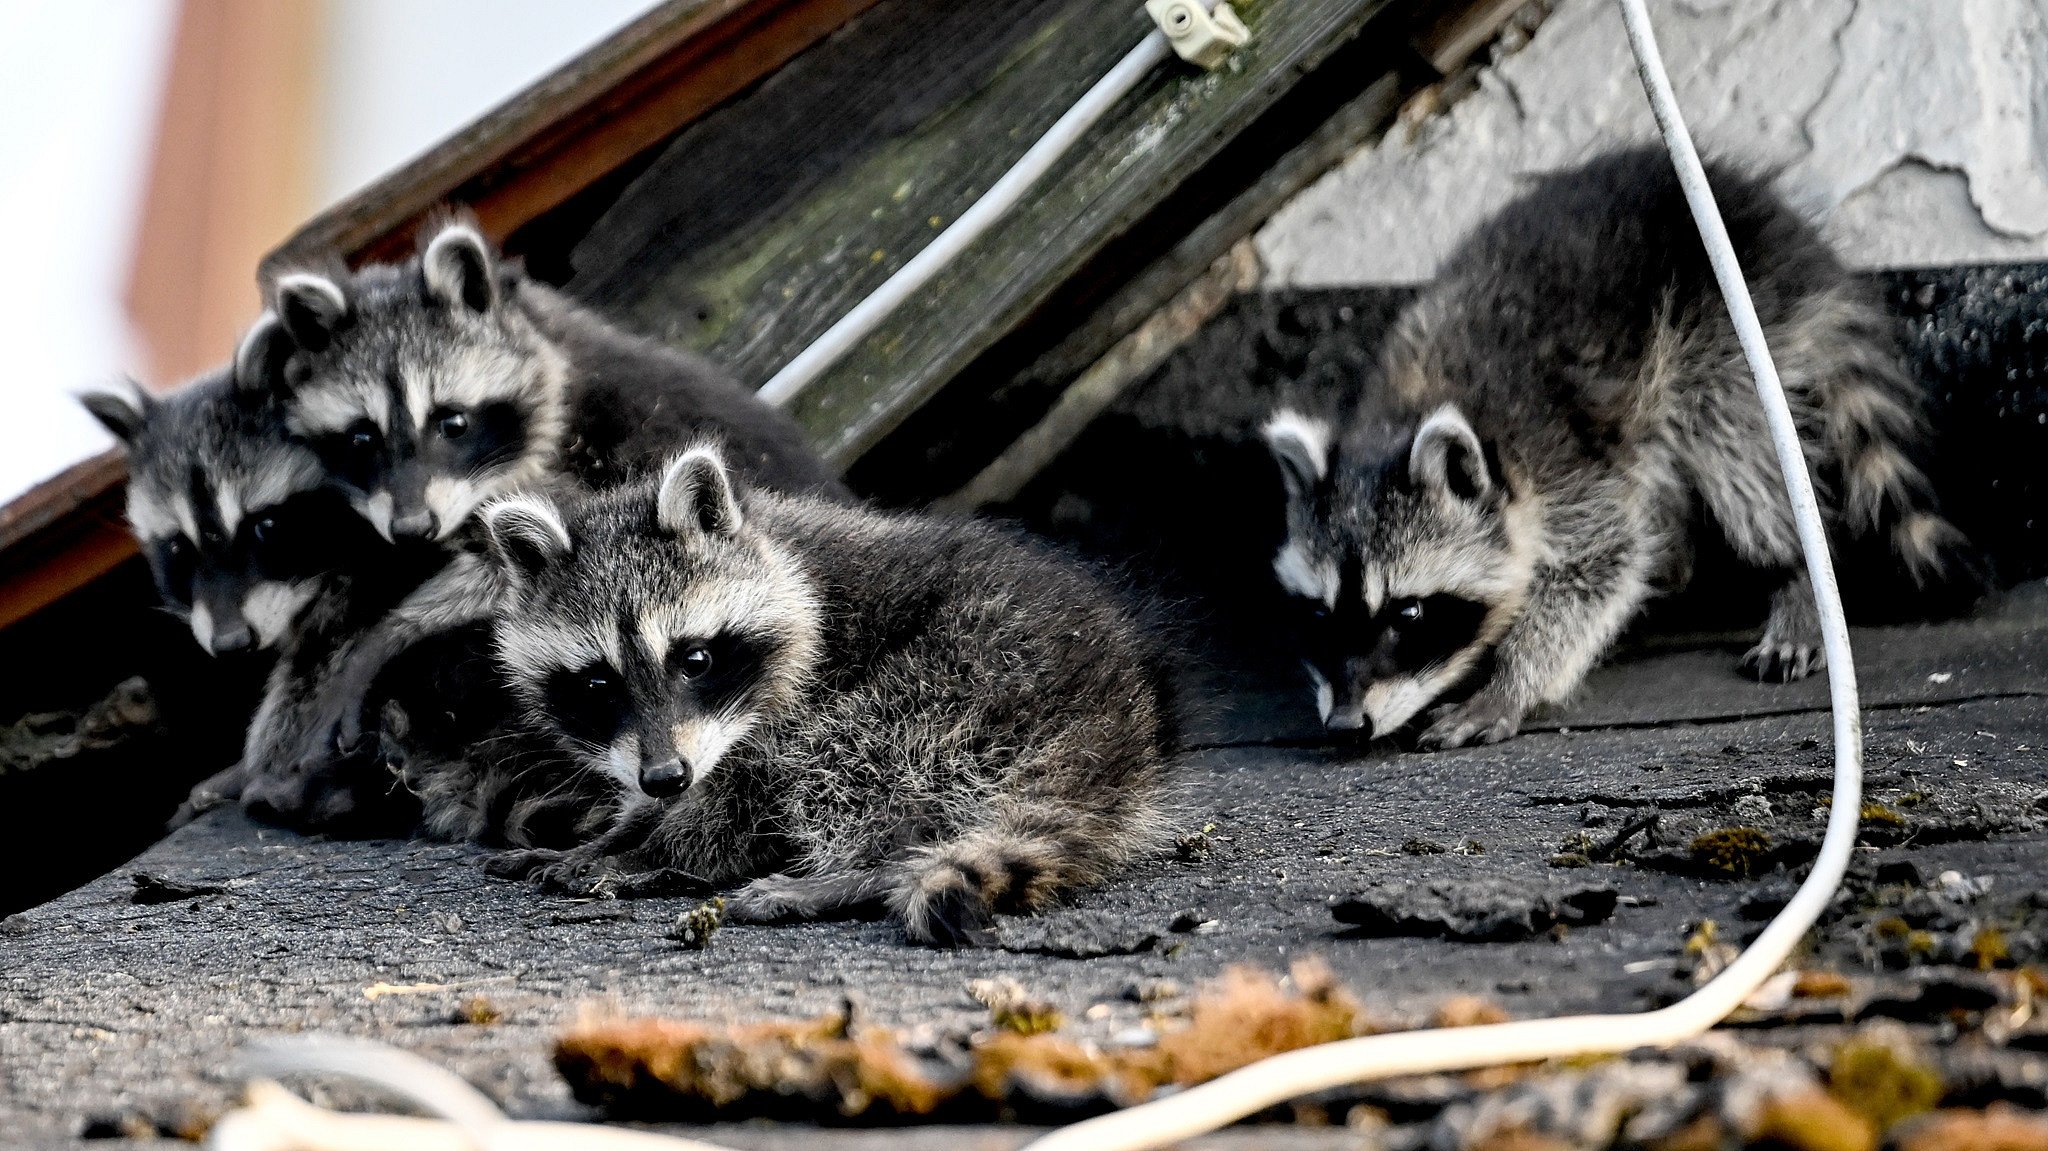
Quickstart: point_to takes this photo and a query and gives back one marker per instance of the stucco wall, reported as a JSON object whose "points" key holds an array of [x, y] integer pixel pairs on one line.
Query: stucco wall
{"points": [[1915, 130]]}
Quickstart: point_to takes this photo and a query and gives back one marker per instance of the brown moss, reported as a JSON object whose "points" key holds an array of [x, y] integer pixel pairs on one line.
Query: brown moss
{"points": [[1820, 985], [1882, 1081], [1811, 1120], [1469, 1011], [1999, 1127], [666, 1065], [1249, 1015], [478, 1010], [1878, 815], [1737, 851], [1011, 1008]]}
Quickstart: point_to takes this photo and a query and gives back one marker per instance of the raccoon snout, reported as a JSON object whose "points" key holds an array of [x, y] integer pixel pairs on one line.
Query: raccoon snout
{"points": [[665, 779], [417, 525], [227, 640]]}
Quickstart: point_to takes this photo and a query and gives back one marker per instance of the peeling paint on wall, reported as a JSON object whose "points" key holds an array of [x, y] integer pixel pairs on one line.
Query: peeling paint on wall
{"points": [[1916, 131]]}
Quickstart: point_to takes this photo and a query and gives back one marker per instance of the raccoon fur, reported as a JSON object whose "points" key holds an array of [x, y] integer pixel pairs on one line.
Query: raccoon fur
{"points": [[430, 386], [247, 539], [1554, 417], [850, 707], [237, 522]]}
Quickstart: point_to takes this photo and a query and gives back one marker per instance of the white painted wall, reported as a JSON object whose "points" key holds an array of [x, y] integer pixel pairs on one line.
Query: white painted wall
{"points": [[1916, 131]]}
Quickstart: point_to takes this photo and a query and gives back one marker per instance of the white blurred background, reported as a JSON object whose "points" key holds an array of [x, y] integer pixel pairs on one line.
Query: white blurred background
{"points": [[152, 150]]}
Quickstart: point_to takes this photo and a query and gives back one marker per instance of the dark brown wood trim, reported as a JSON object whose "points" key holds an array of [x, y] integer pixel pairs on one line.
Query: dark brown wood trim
{"points": [[544, 145]]}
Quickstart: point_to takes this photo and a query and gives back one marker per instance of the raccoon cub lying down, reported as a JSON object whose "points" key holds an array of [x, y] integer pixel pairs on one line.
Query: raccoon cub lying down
{"points": [[848, 707], [1552, 420]]}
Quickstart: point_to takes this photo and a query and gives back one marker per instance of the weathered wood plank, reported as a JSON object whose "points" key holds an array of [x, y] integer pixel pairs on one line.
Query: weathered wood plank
{"points": [[702, 253], [575, 125]]}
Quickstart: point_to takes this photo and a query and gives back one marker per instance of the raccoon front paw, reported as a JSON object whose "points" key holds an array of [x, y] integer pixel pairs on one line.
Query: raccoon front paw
{"points": [[574, 873], [1485, 718], [1772, 662]]}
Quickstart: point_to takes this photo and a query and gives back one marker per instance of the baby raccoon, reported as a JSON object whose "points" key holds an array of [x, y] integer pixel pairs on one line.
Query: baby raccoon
{"points": [[882, 708], [247, 539], [1554, 415], [236, 520], [431, 386]]}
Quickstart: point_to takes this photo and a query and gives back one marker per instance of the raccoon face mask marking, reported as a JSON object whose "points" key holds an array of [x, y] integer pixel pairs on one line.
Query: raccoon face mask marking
{"points": [[230, 514], [1400, 560], [424, 390], [653, 640]]}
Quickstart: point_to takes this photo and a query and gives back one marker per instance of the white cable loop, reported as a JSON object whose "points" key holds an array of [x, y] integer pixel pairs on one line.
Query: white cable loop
{"points": [[1271, 1081]]}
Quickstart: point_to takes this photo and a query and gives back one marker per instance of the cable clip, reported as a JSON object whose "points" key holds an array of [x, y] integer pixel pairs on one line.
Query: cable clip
{"points": [[1201, 37]]}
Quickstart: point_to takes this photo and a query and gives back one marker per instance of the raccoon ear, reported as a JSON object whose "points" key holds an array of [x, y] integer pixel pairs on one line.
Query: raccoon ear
{"points": [[526, 533], [121, 406], [261, 356], [1448, 456], [1301, 446], [696, 496], [460, 269], [311, 307]]}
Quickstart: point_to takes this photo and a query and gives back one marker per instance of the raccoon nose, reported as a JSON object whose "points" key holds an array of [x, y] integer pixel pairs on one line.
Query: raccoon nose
{"points": [[661, 780], [1347, 721], [230, 639], [419, 525]]}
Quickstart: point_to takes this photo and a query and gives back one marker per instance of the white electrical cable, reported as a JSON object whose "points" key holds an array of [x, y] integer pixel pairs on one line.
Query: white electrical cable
{"points": [[1282, 1077], [866, 316]]}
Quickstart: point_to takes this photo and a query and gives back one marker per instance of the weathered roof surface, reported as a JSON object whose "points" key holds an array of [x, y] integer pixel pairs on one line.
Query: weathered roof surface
{"points": [[107, 1005]]}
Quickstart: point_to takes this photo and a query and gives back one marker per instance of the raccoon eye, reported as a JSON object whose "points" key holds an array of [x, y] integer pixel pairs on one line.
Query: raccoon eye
{"points": [[262, 530], [1407, 612], [362, 437], [696, 662], [453, 424]]}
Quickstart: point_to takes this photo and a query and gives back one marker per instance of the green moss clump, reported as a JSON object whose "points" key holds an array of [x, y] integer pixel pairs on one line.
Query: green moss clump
{"points": [[1737, 851], [1882, 1082]]}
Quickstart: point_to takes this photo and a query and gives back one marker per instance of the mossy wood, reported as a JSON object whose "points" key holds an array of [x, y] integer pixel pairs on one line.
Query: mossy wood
{"points": [[765, 222]]}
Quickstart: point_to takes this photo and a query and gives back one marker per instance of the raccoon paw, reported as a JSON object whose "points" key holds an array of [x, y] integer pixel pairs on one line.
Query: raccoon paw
{"points": [[1783, 662], [559, 872], [945, 907], [1485, 718]]}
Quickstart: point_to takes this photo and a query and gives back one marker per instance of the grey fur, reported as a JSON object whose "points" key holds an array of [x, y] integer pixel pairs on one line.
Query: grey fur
{"points": [[1548, 416], [930, 714], [431, 386]]}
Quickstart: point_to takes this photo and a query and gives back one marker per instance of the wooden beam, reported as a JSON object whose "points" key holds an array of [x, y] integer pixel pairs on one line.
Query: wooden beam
{"points": [[576, 125], [61, 535], [952, 103]]}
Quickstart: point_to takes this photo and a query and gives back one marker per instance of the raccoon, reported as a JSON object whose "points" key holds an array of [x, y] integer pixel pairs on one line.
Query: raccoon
{"points": [[430, 386], [851, 707], [1554, 418], [238, 523], [248, 540]]}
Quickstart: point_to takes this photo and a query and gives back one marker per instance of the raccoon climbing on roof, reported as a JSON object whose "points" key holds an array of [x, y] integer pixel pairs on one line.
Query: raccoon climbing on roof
{"points": [[430, 386], [847, 707], [1553, 418]]}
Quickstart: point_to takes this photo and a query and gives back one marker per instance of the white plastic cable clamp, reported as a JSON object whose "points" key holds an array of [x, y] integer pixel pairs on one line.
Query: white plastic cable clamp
{"points": [[1200, 36]]}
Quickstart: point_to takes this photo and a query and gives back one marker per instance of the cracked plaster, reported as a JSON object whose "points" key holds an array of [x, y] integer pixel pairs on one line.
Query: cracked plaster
{"points": [[1915, 130]]}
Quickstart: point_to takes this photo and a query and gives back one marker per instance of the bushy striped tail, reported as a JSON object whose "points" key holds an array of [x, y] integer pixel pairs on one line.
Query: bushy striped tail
{"points": [[1875, 428]]}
